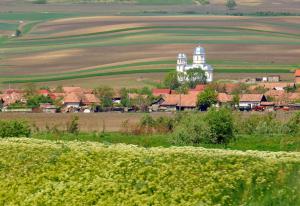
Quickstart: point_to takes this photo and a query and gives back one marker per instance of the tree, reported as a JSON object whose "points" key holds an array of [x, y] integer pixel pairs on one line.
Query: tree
{"points": [[236, 100], [220, 125], [30, 89], [35, 100], [125, 101], [207, 98], [195, 76], [182, 89], [231, 4], [171, 80], [105, 94], [18, 33]]}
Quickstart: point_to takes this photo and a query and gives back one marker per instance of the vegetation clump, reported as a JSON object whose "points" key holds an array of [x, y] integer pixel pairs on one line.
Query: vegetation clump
{"points": [[14, 128]]}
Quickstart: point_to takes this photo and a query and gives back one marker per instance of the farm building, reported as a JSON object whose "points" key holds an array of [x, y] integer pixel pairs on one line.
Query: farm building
{"points": [[199, 62]]}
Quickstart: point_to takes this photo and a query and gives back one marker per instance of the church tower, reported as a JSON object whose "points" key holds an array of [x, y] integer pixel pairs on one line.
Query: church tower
{"points": [[199, 56], [181, 62]]}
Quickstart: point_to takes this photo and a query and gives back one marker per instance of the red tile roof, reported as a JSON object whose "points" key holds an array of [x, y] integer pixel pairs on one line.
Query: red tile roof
{"points": [[224, 98], [297, 73], [251, 97], [199, 87], [158, 92], [43, 92]]}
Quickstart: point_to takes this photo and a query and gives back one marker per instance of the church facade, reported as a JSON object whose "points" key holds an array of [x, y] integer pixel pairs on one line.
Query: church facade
{"points": [[199, 62]]}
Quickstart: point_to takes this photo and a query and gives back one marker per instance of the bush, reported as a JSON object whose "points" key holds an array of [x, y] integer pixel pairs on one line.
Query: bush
{"points": [[260, 125], [214, 127], [14, 128], [221, 125], [73, 126]]}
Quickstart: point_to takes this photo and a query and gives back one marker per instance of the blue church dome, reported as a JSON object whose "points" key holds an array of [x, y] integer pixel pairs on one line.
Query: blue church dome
{"points": [[199, 50]]}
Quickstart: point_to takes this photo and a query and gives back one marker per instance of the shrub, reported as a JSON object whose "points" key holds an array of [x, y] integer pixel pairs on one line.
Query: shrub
{"points": [[220, 125], [260, 125], [73, 126], [14, 128], [215, 127], [293, 125]]}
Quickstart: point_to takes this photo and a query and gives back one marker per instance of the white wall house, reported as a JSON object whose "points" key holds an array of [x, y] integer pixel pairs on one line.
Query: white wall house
{"points": [[199, 62]]}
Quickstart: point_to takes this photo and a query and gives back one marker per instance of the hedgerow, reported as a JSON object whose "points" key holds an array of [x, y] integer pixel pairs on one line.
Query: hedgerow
{"points": [[36, 172]]}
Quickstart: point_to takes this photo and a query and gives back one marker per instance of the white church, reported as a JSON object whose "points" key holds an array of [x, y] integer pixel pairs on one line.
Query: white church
{"points": [[199, 62]]}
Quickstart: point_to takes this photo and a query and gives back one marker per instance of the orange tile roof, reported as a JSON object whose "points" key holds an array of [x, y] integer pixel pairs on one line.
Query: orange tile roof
{"points": [[73, 89], [184, 100], [72, 98], [224, 98], [90, 99]]}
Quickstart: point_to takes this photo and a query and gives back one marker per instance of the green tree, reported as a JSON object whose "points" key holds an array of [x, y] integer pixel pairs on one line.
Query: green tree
{"points": [[30, 89], [18, 33], [231, 4], [35, 100], [171, 80], [195, 76], [220, 125], [207, 98], [105, 94], [236, 100], [182, 89]]}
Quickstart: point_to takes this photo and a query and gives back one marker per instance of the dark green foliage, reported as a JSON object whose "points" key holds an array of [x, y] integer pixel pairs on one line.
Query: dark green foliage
{"points": [[18, 33], [195, 76], [14, 128], [220, 125], [36, 100], [207, 98], [171, 80], [40, 2], [214, 127], [258, 124], [231, 4], [105, 94], [293, 125]]}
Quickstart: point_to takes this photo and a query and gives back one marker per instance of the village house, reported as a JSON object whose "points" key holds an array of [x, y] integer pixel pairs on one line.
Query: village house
{"points": [[297, 76], [174, 102], [251, 100]]}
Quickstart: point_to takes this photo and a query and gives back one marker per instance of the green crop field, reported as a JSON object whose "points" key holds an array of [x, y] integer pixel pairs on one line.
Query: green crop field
{"points": [[39, 172], [61, 47]]}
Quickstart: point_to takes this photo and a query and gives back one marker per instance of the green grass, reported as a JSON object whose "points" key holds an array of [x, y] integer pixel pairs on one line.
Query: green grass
{"points": [[39, 172]]}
